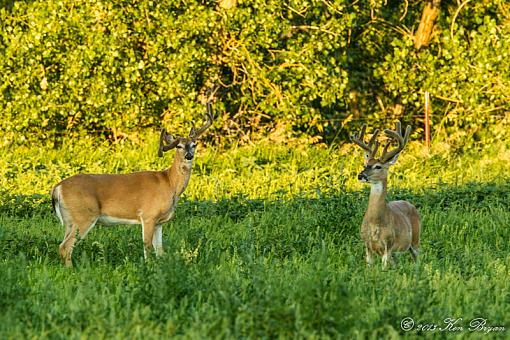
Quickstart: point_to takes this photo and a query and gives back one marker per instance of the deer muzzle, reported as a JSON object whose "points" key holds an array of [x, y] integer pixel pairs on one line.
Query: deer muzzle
{"points": [[362, 176]]}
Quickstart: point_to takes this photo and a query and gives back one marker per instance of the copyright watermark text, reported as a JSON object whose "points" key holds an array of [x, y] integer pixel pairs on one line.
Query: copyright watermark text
{"points": [[454, 325]]}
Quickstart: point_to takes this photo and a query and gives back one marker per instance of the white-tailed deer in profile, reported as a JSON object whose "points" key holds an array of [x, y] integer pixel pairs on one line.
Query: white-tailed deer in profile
{"points": [[148, 198], [387, 226]]}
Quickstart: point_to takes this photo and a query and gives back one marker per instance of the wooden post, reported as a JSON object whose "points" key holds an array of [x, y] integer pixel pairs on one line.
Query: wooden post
{"points": [[427, 119]]}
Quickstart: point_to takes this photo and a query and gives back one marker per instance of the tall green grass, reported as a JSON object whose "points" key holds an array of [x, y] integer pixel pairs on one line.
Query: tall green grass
{"points": [[264, 245]]}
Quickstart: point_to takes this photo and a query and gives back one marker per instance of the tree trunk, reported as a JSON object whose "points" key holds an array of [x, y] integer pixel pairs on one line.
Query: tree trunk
{"points": [[227, 4], [428, 18]]}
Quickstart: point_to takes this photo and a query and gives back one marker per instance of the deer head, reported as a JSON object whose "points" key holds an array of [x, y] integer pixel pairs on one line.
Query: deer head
{"points": [[185, 145], [376, 169]]}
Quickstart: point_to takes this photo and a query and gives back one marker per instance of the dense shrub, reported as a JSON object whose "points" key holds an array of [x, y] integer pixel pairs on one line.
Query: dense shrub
{"points": [[313, 67]]}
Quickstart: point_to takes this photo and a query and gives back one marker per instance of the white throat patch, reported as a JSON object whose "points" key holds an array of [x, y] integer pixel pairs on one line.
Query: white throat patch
{"points": [[376, 188]]}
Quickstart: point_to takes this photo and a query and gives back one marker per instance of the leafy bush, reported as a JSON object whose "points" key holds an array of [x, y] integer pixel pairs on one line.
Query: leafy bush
{"points": [[312, 67], [462, 69]]}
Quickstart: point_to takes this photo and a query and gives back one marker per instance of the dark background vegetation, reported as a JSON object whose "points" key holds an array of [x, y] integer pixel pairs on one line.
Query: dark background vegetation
{"points": [[314, 68]]}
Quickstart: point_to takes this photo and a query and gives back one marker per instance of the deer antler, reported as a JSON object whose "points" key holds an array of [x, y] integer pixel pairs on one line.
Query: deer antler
{"points": [[402, 141], [373, 144], [209, 117], [169, 140]]}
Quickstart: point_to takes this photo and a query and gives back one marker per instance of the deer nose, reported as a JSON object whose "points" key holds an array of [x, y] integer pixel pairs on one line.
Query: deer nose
{"points": [[188, 156], [362, 177]]}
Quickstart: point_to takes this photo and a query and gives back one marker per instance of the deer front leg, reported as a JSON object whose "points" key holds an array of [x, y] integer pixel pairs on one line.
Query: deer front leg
{"points": [[157, 240], [369, 256], [386, 258]]}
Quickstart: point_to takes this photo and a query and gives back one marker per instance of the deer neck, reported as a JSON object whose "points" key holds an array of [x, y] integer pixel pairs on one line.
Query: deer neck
{"points": [[179, 174], [377, 201]]}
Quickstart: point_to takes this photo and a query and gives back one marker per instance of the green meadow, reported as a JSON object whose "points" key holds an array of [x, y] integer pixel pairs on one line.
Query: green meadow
{"points": [[265, 244]]}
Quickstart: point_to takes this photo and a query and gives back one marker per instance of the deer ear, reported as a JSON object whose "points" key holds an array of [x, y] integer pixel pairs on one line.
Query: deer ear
{"points": [[169, 140], [393, 160], [165, 148], [165, 137]]}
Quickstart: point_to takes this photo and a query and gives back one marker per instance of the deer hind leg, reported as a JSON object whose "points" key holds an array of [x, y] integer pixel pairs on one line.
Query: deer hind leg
{"points": [[67, 245], [414, 253], [77, 222], [415, 240], [416, 230], [157, 240]]}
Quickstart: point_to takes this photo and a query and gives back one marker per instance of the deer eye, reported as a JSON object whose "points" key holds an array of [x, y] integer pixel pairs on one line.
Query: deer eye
{"points": [[377, 167], [179, 146]]}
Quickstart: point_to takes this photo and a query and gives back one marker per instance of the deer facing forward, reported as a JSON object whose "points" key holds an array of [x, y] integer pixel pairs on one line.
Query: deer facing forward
{"points": [[148, 198], [387, 226]]}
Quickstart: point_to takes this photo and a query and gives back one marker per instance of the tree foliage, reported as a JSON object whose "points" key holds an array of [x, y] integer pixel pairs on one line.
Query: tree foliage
{"points": [[313, 67]]}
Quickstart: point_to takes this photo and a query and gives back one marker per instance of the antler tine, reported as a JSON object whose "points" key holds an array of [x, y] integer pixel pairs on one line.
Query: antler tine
{"points": [[406, 136], [359, 140], [401, 140], [209, 117], [372, 146], [373, 139], [162, 138], [362, 132], [385, 149], [374, 149], [398, 128]]}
